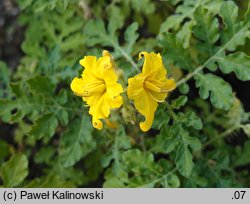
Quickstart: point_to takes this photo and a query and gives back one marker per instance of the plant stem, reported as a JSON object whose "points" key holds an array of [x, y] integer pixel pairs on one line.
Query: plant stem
{"points": [[127, 57], [189, 76], [170, 110], [201, 67], [222, 135]]}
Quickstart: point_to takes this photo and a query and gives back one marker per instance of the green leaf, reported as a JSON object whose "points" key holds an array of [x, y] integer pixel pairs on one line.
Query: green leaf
{"points": [[41, 85], [14, 171], [235, 32], [184, 161], [121, 142], [190, 119], [244, 157], [99, 36], [220, 92], [37, 100], [137, 161], [49, 36], [96, 33], [185, 11], [238, 62], [131, 36], [174, 51], [161, 117], [115, 177], [4, 149], [14, 110], [44, 126], [42, 5], [145, 6], [174, 21], [206, 30], [246, 129], [247, 14], [4, 80], [184, 88], [185, 34], [77, 142], [171, 181], [115, 21], [50, 181], [23, 4], [44, 155], [229, 14], [184, 158], [138, 169], [179, 102], [113, 183], [166, 141]]}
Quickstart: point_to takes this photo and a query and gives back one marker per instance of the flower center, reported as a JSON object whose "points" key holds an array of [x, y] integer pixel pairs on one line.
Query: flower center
{"points": [[151, 86], [154, 89], [154, 85]]}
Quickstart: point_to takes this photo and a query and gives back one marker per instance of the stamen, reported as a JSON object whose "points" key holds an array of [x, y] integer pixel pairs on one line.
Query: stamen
{"points": [[166, 90], [160, 101], [149, 85], [97, 87]]}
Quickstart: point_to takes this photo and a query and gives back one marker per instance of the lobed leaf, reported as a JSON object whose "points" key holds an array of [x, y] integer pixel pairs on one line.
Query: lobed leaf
{"points": [[206, 29], [77, 142], [238, 62], [14, 171], [121, 142], [220, 92], [45, 126]]}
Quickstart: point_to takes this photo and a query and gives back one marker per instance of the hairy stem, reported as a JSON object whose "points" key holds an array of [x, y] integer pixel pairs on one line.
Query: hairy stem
{"points": [[222, 135]]}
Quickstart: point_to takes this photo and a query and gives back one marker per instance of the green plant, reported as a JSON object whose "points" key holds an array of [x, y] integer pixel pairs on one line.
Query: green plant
{"points": [[200, 134]]}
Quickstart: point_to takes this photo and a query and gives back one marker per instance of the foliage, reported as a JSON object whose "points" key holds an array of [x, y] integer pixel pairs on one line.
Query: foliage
{"points": [[200, 134]]}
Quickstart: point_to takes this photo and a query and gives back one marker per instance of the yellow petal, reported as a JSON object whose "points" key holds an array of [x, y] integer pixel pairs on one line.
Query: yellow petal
{"points": [[169, 85], [97, 124], [135, 86], [116, 103], [152, 64], [114, 89], [77, 86], [109, 76], [88, 62], [99, 109], [92, 100], [146, 106], [159, 97], [103, 64], [143, 102]]}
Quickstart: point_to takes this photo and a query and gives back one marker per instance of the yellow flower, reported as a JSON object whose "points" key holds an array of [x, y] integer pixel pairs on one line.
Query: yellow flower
{"points": [[98, 87], [149, 87]]}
